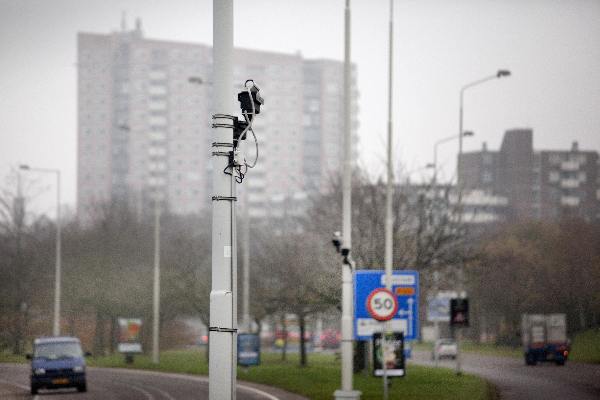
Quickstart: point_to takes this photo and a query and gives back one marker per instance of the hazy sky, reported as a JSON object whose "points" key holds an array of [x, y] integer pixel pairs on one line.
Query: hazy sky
{"points": [[551, 47]]}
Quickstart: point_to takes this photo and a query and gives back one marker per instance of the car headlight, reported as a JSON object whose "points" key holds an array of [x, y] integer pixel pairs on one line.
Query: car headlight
{"points": [[39, 371], [79, 368]]}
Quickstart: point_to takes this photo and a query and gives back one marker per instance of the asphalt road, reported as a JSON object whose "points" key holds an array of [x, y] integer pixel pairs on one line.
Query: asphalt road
{"points": [[516, 381], [121, 384]]}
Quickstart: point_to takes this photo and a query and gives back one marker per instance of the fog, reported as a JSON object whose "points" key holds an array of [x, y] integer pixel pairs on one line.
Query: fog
{"points": [[551, 47]]}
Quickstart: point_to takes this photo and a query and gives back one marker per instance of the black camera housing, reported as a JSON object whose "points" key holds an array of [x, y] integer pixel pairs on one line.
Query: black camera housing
{"points": [[246, 99]]}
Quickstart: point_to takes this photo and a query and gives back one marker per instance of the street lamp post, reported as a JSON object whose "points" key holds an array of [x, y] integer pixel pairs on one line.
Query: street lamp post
{"points": [[58, 266], [389, 217], [499, 74], [435, 152]]}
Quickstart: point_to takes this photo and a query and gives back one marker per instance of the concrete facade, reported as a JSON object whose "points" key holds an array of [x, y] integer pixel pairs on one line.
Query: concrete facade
{"points": [[546, 184], [144, 129]]}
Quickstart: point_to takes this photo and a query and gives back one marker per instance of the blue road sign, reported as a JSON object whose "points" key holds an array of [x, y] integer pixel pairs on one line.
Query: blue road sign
{"points": [[405, 285]]}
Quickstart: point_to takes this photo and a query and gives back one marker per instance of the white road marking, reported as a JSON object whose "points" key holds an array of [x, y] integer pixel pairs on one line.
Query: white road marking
{"points": [[15, 384], [202, 379], [19, 386], [162, 392], [139, 389]]}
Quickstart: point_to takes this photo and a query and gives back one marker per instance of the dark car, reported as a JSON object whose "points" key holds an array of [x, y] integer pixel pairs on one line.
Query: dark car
{"points": [[57, 362]]}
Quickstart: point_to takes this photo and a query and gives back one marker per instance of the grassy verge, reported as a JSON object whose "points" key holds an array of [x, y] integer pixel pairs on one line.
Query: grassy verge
{"points": [[491, 349], [8, 357], [586, 347], [480, 348], [320, 378]]}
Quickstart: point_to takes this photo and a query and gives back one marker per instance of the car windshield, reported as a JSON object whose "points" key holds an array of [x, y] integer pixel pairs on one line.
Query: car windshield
{"points": [[54, 351]]}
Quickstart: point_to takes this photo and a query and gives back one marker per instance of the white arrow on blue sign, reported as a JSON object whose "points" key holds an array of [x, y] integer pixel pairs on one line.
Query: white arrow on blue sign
{"points": [[405, 285]]}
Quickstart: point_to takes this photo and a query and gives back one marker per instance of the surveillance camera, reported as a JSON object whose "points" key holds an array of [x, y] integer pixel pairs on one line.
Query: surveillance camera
{"points": [[337, 240], [345, 251], [250, 100]]}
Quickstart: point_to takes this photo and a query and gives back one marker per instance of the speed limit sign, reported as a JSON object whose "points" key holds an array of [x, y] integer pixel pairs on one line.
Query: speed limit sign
{"points": [[382, 305]]}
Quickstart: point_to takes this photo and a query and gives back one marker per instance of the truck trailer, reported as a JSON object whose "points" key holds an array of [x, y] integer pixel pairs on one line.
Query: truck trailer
{"points": [[544, 338]]}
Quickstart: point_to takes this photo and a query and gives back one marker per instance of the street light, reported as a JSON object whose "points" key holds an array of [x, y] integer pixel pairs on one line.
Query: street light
{"points": [[434, 165], [58, 266], [499, 74]]}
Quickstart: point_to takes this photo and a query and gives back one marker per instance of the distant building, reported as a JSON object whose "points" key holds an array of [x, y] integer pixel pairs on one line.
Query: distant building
{"points": [[537, 184], [144, 129]]}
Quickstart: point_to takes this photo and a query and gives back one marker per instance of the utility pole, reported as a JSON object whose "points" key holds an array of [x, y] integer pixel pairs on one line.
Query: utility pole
{"points": [[223, 307], [346, 391], [156, 288], [389, 217], [246, 324]]}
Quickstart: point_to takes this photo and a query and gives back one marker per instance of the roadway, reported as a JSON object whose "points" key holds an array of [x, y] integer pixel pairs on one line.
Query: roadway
{"points": [[123, 384], [516, 381]]}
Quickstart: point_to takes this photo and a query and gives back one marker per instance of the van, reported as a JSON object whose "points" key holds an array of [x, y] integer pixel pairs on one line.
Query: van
{"points": [[57, 362]]}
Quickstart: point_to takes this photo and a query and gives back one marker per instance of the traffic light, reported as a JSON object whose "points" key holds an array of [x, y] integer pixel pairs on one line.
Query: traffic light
{"points": [[459, 312]]}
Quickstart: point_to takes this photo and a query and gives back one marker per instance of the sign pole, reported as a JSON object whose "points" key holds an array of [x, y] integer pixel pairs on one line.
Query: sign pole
{"points": [[389, 219]]}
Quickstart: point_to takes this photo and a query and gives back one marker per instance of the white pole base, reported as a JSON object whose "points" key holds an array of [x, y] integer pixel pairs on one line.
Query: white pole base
{"points": [[347, 394]]}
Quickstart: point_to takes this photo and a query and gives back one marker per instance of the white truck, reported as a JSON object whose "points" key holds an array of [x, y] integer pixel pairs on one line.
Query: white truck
{"points": [[544, 338]]}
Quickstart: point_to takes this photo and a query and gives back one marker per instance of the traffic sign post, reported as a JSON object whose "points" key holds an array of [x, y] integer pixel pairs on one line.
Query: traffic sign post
{"points": [[404, 289]]}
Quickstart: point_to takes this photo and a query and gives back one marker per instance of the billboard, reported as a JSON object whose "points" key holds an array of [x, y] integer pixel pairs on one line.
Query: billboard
{"points": [[129, 340], [438, 306], [394, 354]]}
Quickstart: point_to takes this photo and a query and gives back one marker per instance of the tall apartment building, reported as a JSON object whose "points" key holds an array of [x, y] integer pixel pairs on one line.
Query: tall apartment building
{"points": [[537, 184], [144, 129]]}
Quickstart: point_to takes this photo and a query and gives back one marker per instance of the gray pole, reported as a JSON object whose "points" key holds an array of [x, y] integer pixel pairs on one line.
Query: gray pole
{"points": [[246, 267], [346, 391], [499, 74], [58, 278], [389, 217], [156, 289], [223, 307], [436, 323], [58, 266]]}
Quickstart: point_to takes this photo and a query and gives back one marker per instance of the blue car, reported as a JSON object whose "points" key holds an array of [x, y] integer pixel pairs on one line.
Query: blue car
{"points": [[57, 362]]}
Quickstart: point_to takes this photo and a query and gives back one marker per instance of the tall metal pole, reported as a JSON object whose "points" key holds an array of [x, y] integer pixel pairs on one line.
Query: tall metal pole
{"points": [[223, 307], [346, 391], [156, 289], [389, 217], [499, 74], [58, 269], [58, 265], [460, 141], [246, 268]]}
